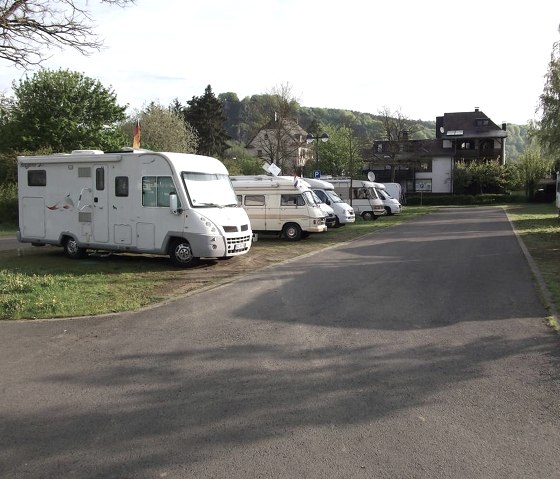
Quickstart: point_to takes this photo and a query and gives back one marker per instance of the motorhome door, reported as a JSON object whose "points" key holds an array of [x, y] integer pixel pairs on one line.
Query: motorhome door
{"points": [[100, 211]]}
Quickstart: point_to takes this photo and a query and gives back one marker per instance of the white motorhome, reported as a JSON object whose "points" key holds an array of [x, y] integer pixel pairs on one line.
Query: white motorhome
{"points": [[135, 201], [279, 205], [361, 195], [325, 191], [392, 205], [395, 190]]}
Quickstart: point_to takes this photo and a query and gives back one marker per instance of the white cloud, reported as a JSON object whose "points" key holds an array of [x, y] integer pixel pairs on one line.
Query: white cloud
{"points": [[426, 58]]}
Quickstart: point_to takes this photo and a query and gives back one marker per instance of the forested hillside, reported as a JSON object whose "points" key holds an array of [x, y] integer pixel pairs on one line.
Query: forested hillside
{"points": [[246, 117]]}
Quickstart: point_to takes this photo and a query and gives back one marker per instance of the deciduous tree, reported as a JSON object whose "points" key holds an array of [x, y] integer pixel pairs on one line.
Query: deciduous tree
{"points": [[62, 110], [30, 27], [163, 130]]}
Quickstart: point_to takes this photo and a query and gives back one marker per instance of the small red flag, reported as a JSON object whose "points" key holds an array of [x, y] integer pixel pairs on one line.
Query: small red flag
{"points": [[136, 140]]}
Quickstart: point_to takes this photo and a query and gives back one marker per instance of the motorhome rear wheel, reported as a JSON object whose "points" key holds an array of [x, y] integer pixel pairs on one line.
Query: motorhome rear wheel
{"points": [[72, 250]]}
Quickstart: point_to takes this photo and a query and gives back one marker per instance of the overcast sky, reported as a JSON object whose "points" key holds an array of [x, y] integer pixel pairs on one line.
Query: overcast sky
{"points": [[424, 58]]}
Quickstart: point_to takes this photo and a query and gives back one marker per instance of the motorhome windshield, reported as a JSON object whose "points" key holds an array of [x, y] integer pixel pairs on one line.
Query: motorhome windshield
{"points": [[372, 193], [308, 195], [207, 190], [334, 197]]}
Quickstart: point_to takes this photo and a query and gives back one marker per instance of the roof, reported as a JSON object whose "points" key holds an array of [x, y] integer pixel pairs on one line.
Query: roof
{"points": [[469, 124]]}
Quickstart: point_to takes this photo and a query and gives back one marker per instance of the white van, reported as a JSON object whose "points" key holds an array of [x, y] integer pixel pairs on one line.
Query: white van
{"points": [[392, 205], [325, 191], [361, 195], [135, 201], [279, 205]]}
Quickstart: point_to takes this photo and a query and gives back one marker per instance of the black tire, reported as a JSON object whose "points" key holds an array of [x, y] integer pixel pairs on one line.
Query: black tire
{"points": [[368, 216], [388, 210], [291, 232], [337, 223], [72, 250], [180, 254]]}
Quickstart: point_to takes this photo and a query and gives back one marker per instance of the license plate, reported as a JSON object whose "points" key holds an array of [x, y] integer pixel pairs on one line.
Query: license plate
{"points": [[238, 246]]}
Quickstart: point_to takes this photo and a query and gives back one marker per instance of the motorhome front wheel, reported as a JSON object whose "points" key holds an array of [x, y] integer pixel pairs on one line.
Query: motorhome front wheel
{"points": [[181, 254]]}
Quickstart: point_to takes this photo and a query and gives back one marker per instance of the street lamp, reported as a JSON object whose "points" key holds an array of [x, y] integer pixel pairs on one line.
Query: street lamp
{"points": [[324, 138]]}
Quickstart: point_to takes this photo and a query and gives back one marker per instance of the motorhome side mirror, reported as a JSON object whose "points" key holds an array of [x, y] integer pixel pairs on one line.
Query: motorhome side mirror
{"points": [[174, 203]]}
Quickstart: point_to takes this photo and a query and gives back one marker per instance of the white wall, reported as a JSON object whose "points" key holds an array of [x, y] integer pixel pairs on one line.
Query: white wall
{"points": [[440, 175]]}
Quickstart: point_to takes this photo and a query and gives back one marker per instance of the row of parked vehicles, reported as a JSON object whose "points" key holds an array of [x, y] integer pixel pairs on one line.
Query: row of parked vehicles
{"points": [[181, 205], [295, 207]]}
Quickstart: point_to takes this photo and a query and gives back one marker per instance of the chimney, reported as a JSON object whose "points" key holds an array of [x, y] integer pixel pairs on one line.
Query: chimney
{"points": [[476, 109], [504, 126]]}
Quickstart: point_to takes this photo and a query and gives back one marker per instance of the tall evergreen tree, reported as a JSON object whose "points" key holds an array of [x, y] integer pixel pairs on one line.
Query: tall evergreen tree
{"points": [[206, 115]]}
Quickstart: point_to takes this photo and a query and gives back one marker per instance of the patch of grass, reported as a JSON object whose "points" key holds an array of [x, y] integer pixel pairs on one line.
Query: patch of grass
{"points": [[43, 283], [538, 226]]}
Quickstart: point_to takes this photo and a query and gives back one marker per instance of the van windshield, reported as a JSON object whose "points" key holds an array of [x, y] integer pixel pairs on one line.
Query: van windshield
{"points": [[207, 190]]}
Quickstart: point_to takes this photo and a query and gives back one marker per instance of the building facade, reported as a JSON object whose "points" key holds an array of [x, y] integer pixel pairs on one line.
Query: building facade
{"points": [[427, 165]]}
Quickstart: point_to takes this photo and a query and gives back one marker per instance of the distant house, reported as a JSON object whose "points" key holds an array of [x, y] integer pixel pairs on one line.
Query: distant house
{"points": [[284, 143], [427, 165]]}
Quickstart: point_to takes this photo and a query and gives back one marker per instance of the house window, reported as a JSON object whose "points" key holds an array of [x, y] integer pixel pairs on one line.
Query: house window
{"points": [[425, 165], [121, 186], [37, 178], [482, 122], [466, 145], [259, 153]]}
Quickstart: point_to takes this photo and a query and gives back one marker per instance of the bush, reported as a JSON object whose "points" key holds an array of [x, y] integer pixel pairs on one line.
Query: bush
{"points": [[434, 199], [8, 203]]}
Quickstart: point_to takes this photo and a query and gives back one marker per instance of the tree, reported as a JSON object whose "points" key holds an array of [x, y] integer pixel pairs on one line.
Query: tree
{"points": [[548, 127], [530, 168], [162, 130], [340, 156], [62, 110], [29, 27], [397, 129], [206, 115], [281, 139]]}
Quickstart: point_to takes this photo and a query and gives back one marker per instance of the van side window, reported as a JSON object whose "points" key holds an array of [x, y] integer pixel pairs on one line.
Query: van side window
{"points": [[292, 200], [99, 179], [121, 186], [254, 200], [156, 189], [37, 178]]}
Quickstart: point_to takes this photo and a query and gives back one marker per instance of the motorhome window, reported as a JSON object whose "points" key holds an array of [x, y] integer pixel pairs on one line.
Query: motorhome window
{"points": [[37, 178], [209, 190], [292, 200], [309, 198], [156, 189], [254, 200], [99, 179], [121, 186]]}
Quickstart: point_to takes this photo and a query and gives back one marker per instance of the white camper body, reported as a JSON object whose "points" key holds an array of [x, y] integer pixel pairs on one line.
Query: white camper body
{"points": [[139, 201], [392, 205], [361, 195], [395, 190], [325, 191], [279, 205]]}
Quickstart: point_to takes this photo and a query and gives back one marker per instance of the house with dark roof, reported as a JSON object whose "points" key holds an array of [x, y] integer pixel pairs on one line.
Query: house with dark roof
{"points": [[427, 165], [284, 143]]}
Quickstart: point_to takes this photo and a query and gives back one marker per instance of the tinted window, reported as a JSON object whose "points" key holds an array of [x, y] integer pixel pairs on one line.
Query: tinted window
{"points": [[37, 178]]}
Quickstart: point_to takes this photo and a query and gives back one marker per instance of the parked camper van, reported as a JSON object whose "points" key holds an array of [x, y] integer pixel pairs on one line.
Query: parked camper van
{"points": [[361, 195], [325, 191], [132, 201], [392, 206], [395, 190], [279, 205]]}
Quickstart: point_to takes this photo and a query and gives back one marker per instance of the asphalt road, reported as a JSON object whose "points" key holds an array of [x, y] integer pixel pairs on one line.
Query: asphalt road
{"points": [[419, 351]]}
